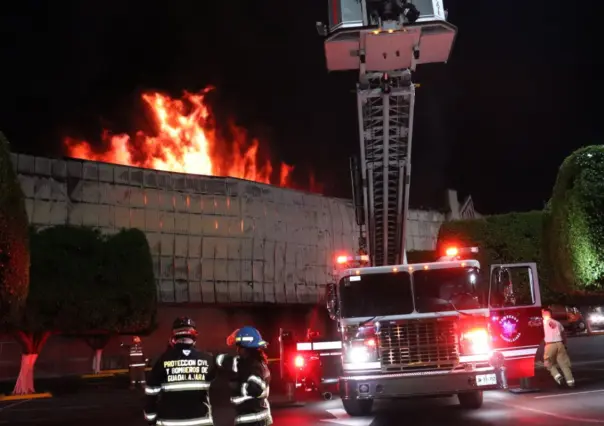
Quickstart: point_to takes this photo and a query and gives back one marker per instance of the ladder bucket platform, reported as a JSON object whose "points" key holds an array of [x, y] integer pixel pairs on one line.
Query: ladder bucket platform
{"points": [[388, 47]]}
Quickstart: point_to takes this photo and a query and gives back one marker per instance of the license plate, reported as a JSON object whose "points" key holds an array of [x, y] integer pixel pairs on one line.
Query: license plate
{"points": [[486, 379]]}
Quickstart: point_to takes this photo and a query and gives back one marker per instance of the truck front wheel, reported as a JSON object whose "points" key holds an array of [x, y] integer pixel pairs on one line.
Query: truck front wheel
{"points": [[470, 400], [358, 407]]}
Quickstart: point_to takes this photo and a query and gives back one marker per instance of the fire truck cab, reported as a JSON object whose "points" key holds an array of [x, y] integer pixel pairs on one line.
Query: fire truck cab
{"points": [[430, 329]]}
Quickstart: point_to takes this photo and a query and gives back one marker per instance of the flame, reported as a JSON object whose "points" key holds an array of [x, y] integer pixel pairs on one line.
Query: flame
{"points": [[186, 141]]}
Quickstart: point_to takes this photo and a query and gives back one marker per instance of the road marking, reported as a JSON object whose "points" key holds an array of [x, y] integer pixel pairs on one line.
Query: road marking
{"points": [[568, 394], [58, 408], [14, 404], [342, 418], [547, 413]]}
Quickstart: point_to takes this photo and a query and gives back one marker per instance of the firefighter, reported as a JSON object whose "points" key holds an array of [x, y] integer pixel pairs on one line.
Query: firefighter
{"points": [[136, 363], [555, 354], [251, 377], [182, 377]]}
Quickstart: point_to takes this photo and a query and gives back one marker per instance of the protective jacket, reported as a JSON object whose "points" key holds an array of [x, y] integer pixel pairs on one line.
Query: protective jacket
{"points": [[182, 377], [137, 357], [249, 385]]}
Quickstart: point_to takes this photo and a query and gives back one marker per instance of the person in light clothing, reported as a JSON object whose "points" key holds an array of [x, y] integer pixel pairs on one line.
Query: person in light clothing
{"points": [[555, 354]]}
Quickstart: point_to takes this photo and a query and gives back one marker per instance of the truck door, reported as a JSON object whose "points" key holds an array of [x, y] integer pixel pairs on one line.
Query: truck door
{"points": [[515, 315]]}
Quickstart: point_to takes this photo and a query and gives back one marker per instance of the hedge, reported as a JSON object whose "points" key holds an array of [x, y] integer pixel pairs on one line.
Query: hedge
{"points": [[86, 283], [506, 238], [574, 228], [14, 241]]}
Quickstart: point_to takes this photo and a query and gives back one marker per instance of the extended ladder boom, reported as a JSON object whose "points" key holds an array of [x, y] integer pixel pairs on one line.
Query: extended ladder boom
{"points": [[385, 109], [385, 40]]}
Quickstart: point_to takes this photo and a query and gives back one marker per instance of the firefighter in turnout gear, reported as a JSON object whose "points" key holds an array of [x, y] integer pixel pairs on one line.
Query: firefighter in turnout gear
{"points": [[555, 354], [136, 363], [179, 383], [250, 377]]}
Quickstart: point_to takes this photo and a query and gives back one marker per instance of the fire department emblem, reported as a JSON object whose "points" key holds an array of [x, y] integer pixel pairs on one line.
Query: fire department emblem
{"points": [[509, 326]]}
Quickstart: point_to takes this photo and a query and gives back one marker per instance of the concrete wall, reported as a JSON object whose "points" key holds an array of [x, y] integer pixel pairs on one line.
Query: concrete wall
{"points": [[224, 250], [213, 240]]}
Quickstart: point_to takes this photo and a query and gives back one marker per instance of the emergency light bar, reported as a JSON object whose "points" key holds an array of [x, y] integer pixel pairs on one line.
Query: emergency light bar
{"points": [[348, 259], [455, 253]]}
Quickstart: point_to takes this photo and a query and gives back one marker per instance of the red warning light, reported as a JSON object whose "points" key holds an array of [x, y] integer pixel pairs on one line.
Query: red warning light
{"points": [[452, 251], [370, 342], [299, 361], [342, 259]]}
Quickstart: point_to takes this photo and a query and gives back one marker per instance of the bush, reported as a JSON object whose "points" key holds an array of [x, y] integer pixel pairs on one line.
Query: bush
{"points": [[14, 240], [506, 238], [574, 227]]}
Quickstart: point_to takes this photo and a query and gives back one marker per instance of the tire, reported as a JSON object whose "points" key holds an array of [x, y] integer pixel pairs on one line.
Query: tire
{"points": [[358, 407], [470, 400]]}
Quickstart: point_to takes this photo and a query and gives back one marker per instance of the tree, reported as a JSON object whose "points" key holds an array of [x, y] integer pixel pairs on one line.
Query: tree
{"points": [[129, 294], [66, 264], [85, 284], [14, 241], [574, 228]]}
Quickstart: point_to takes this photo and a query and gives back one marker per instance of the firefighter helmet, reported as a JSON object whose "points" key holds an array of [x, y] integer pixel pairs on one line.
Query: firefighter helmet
{"points": [[249, 337], [184, 327]]}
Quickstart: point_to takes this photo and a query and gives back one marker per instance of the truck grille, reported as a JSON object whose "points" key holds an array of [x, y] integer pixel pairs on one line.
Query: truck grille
{"points": [[419, 344]]}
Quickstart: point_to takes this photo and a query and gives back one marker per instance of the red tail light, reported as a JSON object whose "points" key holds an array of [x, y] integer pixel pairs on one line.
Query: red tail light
{"points": [[299, 361], [476, 341], [370, 343]]}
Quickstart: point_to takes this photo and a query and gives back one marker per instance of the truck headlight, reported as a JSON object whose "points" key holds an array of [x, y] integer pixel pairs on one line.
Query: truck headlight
{"points": [[476, 341], [358, 355]]}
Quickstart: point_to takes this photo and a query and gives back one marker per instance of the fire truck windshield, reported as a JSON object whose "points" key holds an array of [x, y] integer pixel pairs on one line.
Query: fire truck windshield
{"points": [[447, 289], [376, 294]]}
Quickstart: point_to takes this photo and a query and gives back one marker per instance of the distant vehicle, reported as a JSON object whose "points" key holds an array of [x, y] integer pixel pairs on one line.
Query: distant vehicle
{"points": [[595, 318], [570, 317]]}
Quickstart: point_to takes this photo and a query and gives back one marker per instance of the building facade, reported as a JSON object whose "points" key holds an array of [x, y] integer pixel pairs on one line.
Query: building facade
{"points": [[213, 240]]}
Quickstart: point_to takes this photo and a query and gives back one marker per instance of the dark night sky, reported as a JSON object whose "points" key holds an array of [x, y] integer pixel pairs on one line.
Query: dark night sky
{"points": [[518, 95]]}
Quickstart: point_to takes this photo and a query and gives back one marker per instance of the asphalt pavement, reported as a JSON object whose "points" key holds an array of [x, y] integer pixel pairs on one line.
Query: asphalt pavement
{"points": [[550, 405]]}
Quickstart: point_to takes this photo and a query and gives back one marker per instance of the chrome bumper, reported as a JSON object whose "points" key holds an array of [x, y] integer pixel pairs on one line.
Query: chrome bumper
{"points": [[428, 383]]}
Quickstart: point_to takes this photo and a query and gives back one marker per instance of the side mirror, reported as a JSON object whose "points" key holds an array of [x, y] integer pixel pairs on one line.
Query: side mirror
{"points": [[332, 301]]}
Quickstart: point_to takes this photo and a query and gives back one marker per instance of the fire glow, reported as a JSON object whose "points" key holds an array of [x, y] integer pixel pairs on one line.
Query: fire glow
{"points": [[186, 141]]}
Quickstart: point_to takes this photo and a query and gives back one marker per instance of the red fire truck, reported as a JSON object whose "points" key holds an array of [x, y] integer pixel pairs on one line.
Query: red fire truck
{"points": [[312, 365], [434, 328], [439, 328]]}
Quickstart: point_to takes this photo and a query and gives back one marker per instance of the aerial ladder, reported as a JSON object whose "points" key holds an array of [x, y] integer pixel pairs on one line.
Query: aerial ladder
{"points": [[384, 41]]}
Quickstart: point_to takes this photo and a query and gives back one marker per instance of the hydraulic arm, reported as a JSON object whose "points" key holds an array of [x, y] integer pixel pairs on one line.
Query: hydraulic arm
{"points": [[384, 40]]}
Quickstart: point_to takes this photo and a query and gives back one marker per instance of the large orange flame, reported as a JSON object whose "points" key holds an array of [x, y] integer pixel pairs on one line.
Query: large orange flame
{"points": [[186, 141]]}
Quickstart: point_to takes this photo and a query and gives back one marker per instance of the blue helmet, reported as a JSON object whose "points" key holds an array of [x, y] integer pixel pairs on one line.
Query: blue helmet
{"points": [[249, 337]]}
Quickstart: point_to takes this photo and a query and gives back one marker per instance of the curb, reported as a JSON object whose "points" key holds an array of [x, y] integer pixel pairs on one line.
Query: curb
{"points": [[107, 373], [101, 375], [28, 396], [282, 405]]}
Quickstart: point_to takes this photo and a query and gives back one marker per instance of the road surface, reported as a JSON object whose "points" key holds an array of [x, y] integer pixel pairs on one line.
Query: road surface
{"points": [[552, 406]]}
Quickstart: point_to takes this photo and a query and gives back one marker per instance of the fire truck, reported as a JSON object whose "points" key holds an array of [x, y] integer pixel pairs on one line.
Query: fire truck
{"points": [[430, 329], [433, 329]]}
